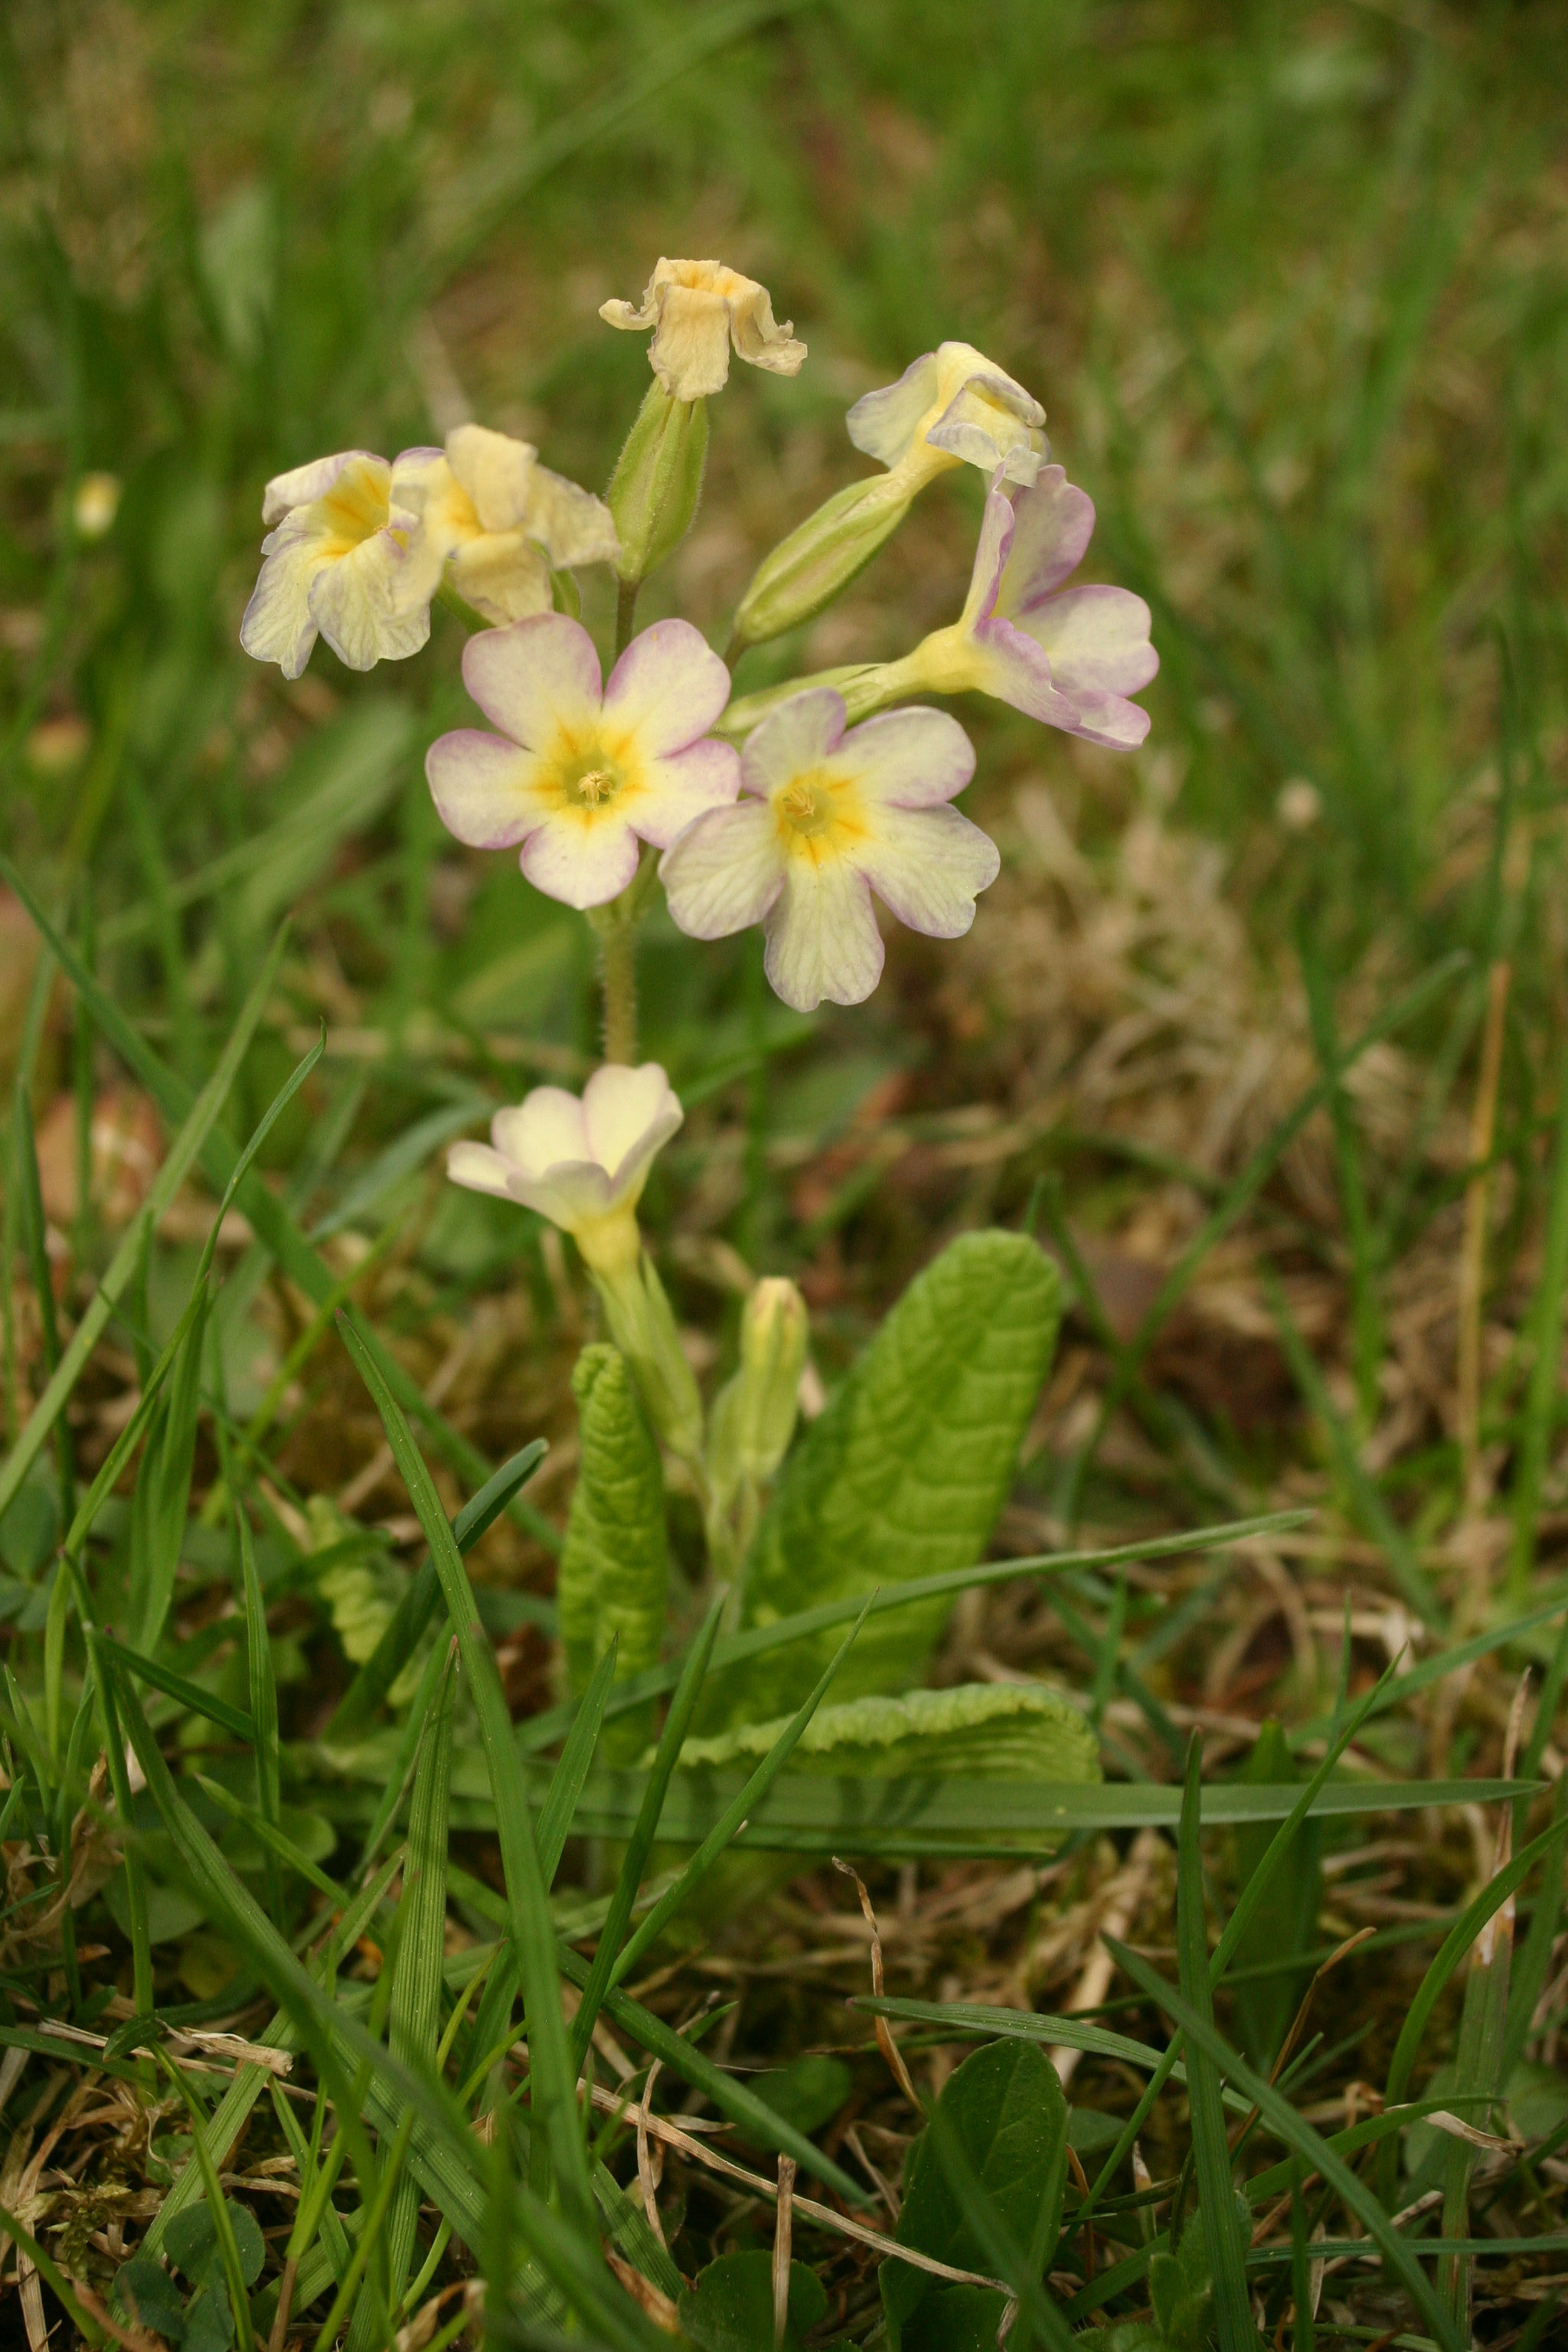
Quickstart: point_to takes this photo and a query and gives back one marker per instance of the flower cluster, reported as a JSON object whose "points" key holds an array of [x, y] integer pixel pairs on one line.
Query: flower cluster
{"points": [[775, 810]]}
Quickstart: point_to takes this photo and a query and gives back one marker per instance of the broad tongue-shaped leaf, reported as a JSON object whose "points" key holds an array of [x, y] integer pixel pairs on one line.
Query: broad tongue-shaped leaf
{"points": [[1006, 2108], [904, 1475], [731, 2308]]}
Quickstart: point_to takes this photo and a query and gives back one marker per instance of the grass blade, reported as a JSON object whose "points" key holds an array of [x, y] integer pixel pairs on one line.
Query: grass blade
{"points": [[1546, 1336], [190, 1695], [1298, 2136], [735, 1812], [553, 2080], [263, 1708], [193, 1136], [1217, 2206], [417, 1987], [677, 1723], [1451, 1951], [401, 1637]]}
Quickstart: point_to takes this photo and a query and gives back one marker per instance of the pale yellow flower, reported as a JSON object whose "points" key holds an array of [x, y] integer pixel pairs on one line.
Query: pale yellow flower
{"points": [[697, 310], [502, 521], [344, 556], [951, 406]]}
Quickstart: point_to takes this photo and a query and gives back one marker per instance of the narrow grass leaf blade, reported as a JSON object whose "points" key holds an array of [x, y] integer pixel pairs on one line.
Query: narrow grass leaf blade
{"points": [[677, 1723], [553, 2079], [723, 1831], [182, 1156], [1298, 2136], [416, 2019], [420, 1603], [1227, 2271]]}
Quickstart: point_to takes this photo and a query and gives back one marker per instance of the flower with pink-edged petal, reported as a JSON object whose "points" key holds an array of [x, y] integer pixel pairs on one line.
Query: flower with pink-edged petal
{"points": [[345, 557], [581, 771], [824, 819], [1069, 656], [583, 1164]]}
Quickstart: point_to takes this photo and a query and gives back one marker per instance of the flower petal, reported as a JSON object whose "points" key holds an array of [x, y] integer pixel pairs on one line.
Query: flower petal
{"points": [[883, 423], [724, 872], [544, 1130], [670, 685], [800, 734], [1096, 639], [583, 857], [758, 337], [502, 575], [480, 785], [533, 677], [689, 353], [926, 866], [681, 789], [425, 486], [575, 1193], [481, 1169], [572, 524], [496, 471], [361, 604], [629, 1114], [277, 625], [997, 524], [1053, 524], [1111, 719], [986, 430], [305, 484], [822, 936], [909, 759], [1011, 666]]}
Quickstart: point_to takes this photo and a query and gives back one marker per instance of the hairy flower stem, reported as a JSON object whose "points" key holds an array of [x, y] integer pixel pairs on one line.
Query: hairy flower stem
{"points": [[625, 614], [616, 936]]}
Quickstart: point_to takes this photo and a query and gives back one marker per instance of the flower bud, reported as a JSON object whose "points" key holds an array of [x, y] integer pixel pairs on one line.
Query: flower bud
{"points": [[657, 482], [642, 1325], [754, 1416], [808, 569]]}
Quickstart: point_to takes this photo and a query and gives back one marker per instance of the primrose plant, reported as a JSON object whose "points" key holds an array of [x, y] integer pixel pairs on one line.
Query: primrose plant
{"points": [[792, 809]]}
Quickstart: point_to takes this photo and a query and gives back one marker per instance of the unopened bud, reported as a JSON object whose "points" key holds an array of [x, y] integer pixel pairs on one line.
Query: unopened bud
{"points": [[754, 1416], [657, 482], [808, 569]]}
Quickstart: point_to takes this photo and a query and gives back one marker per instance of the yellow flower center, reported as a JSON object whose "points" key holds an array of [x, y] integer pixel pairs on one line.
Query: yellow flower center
{"points": [[591, 775], [819, 814], [353, 510]]}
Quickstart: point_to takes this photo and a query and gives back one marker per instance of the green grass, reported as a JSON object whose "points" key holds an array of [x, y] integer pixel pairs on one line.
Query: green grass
{"points": [[1290, 283]]}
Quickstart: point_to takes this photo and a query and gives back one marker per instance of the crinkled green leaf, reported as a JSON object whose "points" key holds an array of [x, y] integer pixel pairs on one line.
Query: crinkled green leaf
{"points": [[1007, 2106], [904, 1475], [615, 1565], [1011, 1731]]}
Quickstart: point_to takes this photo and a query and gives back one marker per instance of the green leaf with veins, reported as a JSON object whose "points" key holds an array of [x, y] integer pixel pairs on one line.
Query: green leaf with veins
{"points": [[904, 1474], [614, 1577], [1016, 1731], [731, 2308]]}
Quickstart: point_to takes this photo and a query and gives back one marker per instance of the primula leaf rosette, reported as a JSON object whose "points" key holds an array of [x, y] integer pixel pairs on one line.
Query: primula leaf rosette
{"points": [[825, 818]]}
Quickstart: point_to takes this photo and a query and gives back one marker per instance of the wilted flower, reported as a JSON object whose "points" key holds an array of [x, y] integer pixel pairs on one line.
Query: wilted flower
{"points": [[347, 558], [583, 1164], [949, 408], [1067, 656], [581, 772], [697, 309], [826, 819], [501, 519]]}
